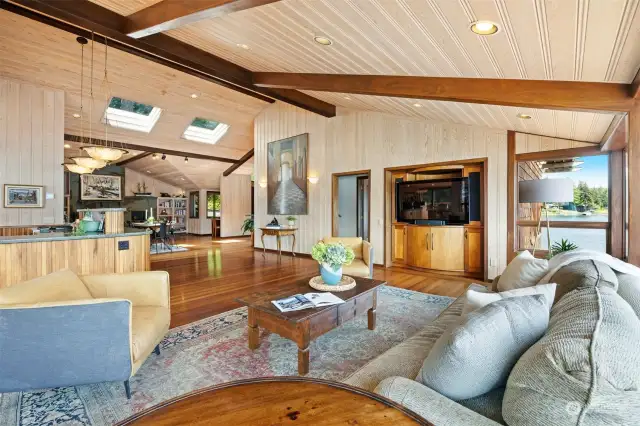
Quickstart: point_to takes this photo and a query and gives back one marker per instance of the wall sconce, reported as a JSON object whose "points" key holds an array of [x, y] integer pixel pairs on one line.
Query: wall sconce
{"points": [[262, 184], [313, 179]]}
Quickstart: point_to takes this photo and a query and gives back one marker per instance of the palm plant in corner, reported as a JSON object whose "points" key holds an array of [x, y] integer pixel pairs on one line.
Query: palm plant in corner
{"points": [[332, 257], [248, 226]]}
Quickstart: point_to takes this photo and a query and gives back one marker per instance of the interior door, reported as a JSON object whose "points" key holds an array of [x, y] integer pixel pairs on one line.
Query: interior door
{"points": [[447, 248], [418, 246]]}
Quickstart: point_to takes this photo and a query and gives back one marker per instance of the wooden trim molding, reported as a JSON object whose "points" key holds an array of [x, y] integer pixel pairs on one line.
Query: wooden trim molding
{"points": [[633, 156], [512, 195], [615, 138], [548, 94], [239, 163], [81, 17], [564, 224], [168, 15], [617, 192], [635, 86], [102, 142]]}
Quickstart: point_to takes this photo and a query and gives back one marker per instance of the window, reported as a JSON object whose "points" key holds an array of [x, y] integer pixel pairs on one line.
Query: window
{"points": [[194, 205], [206, 131], [213, 204], [584, 221], [131, 115]]}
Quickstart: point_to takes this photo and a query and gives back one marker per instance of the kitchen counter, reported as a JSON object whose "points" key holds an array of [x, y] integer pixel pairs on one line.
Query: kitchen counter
{"points": [[63, 236]]}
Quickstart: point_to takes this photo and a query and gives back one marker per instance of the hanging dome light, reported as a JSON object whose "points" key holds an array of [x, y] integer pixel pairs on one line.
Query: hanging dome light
{"points": [[88, 162], [75, 168], [104, 153]]}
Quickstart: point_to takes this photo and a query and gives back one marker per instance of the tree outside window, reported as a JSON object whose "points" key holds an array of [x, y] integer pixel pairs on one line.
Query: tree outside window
{"points": [[213, 204]]}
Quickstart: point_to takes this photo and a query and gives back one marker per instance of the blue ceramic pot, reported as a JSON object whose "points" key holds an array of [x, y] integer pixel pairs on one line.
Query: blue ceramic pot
{"points": [[329, 276]]}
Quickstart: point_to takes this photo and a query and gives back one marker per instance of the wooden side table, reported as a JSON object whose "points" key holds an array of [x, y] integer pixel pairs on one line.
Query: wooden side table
{"points": [[278, 401], [278, 233]]}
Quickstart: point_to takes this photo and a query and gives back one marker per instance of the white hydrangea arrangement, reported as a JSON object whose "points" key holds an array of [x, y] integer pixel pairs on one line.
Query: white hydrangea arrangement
{"points": [[335, 255]]}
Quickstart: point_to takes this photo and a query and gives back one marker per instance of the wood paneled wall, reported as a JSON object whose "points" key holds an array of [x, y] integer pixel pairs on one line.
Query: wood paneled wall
{"points": [[132, 178], [235, 198], [201, 225], [535, 143], [32, 148], [356, 140], [24, 261]]}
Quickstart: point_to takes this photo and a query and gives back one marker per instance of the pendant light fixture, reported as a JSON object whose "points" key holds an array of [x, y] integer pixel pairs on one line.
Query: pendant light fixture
{"points": [[106, 153], [76, 168]]}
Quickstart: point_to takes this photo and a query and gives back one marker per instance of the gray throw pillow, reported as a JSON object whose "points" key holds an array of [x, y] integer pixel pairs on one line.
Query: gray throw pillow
{"points": [[476, 355]]}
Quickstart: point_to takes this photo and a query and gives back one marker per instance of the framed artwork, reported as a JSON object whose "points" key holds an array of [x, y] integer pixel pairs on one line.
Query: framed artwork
{"points": [[100, 187], [287, 176], [23, 196]]}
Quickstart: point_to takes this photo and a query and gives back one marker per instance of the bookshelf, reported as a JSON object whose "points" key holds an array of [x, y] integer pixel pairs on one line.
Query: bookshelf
{"points": [[173, 209]]}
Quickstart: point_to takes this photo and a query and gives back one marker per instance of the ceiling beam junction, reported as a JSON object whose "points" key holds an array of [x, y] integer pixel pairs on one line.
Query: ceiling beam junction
{"points": [[239, 163]]}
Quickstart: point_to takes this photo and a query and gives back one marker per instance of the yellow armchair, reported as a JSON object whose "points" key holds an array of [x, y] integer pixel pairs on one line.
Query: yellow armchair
{"points": [[362, 265], [91, 328]]}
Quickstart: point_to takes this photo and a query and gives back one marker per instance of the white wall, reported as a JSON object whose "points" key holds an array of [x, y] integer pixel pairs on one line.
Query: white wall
{"points": [[347, 206], [235, 200], [367, 140], [32, 149], [132, 177]]}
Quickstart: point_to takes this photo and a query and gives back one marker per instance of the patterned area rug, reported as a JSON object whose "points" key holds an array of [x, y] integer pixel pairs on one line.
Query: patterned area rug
{"points": [[214, 350], [158, 248]]}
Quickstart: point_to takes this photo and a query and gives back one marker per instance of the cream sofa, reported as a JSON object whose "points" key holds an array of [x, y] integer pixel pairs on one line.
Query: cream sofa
{"points": [[362, 265], [66, 330], [561, 380]]}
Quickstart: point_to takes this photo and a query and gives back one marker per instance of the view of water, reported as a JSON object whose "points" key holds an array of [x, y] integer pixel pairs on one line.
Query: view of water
{"points": [[591, 239]]}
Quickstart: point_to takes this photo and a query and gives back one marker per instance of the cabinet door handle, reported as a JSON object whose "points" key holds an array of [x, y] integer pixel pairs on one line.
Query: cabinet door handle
{"points": [[426, 239], [433, 246], [465, 234]]}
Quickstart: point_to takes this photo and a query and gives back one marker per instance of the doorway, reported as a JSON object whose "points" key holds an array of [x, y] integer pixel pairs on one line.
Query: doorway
{"points": [[351, 194]]}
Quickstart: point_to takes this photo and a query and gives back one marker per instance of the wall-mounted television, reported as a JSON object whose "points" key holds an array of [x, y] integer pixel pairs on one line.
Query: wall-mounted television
{"points": [[433, 201]]}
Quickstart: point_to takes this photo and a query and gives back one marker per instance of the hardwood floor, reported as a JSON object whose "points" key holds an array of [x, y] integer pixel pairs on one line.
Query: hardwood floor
{"points": [[206, 279]]}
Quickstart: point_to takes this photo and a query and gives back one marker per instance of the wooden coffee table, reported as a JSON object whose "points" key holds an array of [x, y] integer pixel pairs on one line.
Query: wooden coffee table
{"points": [[304, 326], [278, 401]]}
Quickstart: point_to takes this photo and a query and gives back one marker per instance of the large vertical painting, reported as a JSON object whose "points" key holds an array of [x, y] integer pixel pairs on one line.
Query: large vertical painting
{"points": [[287, 176], [100, 187]]}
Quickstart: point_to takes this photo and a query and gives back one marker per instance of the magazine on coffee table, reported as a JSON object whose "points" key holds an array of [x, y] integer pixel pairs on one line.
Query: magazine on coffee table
{"points": [[298, 302]]}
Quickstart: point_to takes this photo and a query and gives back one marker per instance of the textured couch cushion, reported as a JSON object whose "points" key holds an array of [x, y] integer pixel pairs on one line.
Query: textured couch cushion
{"points": [[405, 359], [583, 273], [585, 371], [59, 286], [523, 271], [476, 300], [354, 242], [501, 331], [148, 325], [489, 404], [629, 290]]}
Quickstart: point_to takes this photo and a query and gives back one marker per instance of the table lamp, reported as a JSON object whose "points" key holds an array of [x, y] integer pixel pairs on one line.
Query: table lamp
{"points": [[545, 191]]}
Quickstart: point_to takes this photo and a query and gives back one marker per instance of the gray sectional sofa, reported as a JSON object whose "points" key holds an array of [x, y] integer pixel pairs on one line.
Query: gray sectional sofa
{"points": [[584, 371]]}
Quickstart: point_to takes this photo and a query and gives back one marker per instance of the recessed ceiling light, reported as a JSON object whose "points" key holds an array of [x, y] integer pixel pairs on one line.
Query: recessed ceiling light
{"points": [[484, 27], [194, 96], [243, 46], [76, 115], [523, 116], [66, 145], [148, 171], [323, 40], [417, 105], [347, 98]]}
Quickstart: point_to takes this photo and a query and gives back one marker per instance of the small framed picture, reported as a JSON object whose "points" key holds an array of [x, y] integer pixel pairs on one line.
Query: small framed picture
{"points": [[23, 196]]}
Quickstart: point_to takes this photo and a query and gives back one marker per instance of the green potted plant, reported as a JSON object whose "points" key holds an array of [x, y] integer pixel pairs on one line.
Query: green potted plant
{"points": [[562, 246], [331, 258], [292, 221], [248, 226]]}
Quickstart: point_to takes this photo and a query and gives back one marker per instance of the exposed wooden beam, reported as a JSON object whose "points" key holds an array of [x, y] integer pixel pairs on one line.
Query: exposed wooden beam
{"points": [[102, 142], [239, 163], [562, 95], [80, 17], [134, 158], [615, 138], [585, 151], [171, 14]]}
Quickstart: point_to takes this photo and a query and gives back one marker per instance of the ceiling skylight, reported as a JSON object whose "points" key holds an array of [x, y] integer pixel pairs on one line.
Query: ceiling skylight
{"points": [[206, 131], [131, 115]]}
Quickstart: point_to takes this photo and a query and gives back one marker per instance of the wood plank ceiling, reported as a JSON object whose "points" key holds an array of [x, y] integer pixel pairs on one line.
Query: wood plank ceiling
{"points": [[43, 55], [543, 39]]}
